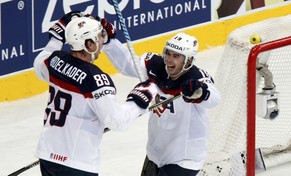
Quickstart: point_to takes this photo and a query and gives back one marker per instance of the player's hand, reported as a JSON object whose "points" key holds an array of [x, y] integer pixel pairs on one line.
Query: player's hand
{"points": [[58, 29], [109, 28], [142, 94], [194, 91]]}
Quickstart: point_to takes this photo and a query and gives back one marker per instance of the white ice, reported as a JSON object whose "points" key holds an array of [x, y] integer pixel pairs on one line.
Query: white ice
{"points": [[122, 152]]}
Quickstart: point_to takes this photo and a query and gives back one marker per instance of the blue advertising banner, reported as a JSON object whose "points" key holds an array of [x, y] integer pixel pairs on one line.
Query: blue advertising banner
{"points": [[23, 23], [14, 37]]}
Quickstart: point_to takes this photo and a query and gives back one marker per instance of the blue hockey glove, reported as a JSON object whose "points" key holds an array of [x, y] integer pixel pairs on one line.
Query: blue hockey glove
{"points": [[58, 29], [194, 91], [142, 94]]}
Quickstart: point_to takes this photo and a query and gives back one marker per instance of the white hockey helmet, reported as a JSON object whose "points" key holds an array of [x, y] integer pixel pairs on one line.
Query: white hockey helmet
{"points": [[81, 29], [183, 44]]}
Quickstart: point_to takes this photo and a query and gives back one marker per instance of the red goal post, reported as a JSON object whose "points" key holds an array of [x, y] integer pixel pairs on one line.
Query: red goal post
{"points": [[251, 102]]}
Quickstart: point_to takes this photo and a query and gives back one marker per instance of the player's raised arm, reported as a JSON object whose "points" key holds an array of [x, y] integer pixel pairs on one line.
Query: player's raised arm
{"points": [[56, 42]]}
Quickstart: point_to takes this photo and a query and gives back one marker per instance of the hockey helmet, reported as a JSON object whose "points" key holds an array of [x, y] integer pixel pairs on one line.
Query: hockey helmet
{"points": [[81, 29], [183, 44]]}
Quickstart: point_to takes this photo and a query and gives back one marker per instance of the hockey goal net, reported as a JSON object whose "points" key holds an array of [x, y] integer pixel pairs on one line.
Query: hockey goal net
{"points": [[241, 141]]}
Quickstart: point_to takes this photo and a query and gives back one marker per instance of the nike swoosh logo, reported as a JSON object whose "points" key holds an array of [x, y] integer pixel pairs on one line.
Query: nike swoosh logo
{"points": [[129, 98], [150, 72]]}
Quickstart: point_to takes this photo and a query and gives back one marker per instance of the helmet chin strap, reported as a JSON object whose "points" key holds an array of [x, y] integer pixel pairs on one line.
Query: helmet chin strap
{"points": [[92, 57]]}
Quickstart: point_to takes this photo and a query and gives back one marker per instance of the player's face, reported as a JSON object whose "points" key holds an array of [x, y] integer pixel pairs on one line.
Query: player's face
{"points": [[174, 62]]}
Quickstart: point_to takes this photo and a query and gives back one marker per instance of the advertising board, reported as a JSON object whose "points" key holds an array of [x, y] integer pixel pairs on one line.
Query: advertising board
{"points": [[24, 24]]}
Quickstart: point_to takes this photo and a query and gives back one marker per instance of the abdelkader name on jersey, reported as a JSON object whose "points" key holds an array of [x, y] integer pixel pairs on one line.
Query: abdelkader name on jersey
{"points": [[68, 70]]}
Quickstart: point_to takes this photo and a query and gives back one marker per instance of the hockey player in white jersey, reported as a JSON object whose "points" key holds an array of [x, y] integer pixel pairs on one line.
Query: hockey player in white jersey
{"points": [[178, 131], [82, 98]]}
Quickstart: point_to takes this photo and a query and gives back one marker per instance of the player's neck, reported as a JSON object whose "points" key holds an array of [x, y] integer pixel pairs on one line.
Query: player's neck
{"points": [[177, 76], [81, 55]]}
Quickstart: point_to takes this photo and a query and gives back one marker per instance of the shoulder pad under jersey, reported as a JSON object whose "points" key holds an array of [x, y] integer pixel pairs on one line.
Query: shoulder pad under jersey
{"points": [[148, 56]]}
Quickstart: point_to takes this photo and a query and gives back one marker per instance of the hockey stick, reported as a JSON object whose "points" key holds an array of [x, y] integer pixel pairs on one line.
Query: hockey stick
{"points": [[24, 168], [164, 102], [133, 55], [128, 40]]}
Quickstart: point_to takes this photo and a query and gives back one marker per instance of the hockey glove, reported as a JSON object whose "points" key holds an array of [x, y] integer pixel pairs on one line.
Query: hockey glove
{"points": [[58, 29], [194, 91], [142, 94], [109, 28]]}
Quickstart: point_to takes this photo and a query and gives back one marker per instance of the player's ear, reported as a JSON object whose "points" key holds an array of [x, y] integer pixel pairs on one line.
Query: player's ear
{"points": [[189, 61], [90, 45]]}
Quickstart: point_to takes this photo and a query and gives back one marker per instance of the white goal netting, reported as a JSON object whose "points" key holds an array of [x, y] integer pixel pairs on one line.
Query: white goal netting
{"points": [[228, 120]]}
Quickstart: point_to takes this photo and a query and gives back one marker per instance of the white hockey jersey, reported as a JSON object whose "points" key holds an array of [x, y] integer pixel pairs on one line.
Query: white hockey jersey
{"points": [[178, 132], [81, 104]]}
